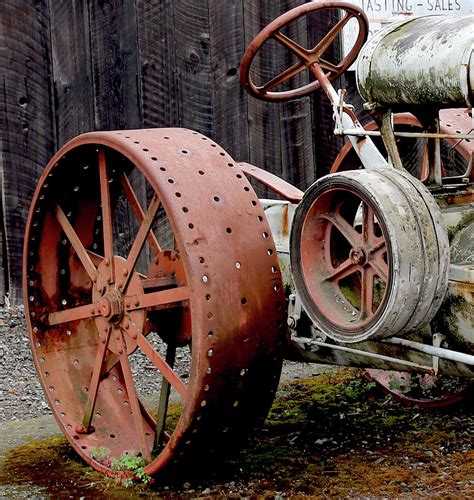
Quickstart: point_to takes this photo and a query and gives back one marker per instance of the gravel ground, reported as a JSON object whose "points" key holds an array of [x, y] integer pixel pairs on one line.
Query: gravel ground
{"points": [[21, 395]]}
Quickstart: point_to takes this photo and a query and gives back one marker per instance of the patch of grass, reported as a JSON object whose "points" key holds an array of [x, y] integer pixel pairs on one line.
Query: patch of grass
{"points": [[132, 466]]}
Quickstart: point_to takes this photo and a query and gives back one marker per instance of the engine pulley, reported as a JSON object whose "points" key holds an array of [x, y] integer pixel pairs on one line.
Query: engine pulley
{"points": [[369, 254]]}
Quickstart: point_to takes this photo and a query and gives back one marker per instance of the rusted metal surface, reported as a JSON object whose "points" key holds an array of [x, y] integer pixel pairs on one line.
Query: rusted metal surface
{"points": [[429, 58], [355, 253], [306, 57], [210, 283], [273, 182], [452, 121]]}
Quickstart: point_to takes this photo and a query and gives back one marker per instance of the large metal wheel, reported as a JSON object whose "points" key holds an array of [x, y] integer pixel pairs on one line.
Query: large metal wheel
{"points": [[151, 243], [369, 260]]}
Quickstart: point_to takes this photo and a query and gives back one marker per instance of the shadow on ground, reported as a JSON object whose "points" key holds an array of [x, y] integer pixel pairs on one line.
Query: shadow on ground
{"points": [[331, 435]]}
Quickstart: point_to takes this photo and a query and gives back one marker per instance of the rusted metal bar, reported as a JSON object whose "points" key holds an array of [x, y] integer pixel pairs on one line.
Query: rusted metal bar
{"points": [[419, 135], [338, 347], [439, 352]]}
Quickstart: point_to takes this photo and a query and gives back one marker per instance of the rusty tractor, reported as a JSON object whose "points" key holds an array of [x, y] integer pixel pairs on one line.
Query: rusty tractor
{"points": [[154, 243]]}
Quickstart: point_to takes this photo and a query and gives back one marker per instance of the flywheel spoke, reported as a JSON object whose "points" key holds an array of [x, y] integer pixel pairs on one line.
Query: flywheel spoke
{"points": [[138, 212], [141, 238], [106, 216], [168, 297], [135, 405], [94, 385], [73, 314], [76, 243], [161, 364]]}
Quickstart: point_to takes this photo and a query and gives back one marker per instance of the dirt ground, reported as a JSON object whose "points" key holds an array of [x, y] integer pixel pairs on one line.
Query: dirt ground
{"points": [[330, 435]]}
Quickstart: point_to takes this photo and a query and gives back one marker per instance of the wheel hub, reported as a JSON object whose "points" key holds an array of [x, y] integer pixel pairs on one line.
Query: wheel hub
{"points": [[111, 304], [358, 256], [111, 307]]}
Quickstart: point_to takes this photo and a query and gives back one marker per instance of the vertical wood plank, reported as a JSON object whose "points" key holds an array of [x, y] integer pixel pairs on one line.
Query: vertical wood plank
{"points": [[193, 64], [280, 133], [3, 249], [229, 103], [326, 144], [26, 125], [157, 62], [297, 152], [72, 72], [113, 28]]}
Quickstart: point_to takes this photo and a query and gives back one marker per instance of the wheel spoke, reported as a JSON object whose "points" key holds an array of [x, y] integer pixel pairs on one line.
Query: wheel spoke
{"points": [[368, 224], [349, 233], [342, 271], [76, 244], [164, 397], [94, 385], [299, 51], [160, 364], [379, 265], [367, 294], [283, 77], [135, 405], [329, 38], [140, 239], [106, 216], [138, 212], [73, 314], [170, 297]]}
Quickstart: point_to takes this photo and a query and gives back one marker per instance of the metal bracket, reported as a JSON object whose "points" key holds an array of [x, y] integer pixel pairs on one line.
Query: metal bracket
{"points": [[438, 339], [294, 311]]}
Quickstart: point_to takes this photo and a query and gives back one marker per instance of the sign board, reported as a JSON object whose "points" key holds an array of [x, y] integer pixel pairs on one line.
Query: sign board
{"points": [[383, 12]]}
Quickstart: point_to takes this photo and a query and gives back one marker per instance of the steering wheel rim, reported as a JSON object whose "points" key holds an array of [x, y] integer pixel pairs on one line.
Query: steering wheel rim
{"points": [[307, 58]]}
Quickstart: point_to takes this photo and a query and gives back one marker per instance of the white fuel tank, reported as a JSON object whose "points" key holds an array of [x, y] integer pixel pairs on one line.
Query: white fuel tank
{"points": [[420, 61]]}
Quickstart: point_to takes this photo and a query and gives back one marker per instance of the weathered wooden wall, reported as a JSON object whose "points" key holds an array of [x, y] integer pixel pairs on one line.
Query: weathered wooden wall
{"points": [[70, 66]]}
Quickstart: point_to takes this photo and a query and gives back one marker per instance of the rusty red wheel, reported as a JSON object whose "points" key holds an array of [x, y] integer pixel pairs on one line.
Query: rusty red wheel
{"points": [[151, 243], [306, 58], [355, 254], [425, 391]]}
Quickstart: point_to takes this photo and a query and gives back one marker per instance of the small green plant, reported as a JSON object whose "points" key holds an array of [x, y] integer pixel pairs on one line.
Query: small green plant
{"points": [[358, 388], [130, 463], [101, 455]]}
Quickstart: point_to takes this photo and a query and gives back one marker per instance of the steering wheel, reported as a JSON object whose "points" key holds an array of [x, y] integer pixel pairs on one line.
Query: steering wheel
{"points": [[311, 59]]}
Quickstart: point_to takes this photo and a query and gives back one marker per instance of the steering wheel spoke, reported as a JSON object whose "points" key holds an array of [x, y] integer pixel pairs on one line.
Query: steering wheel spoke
{"points": [[284, 76]]}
